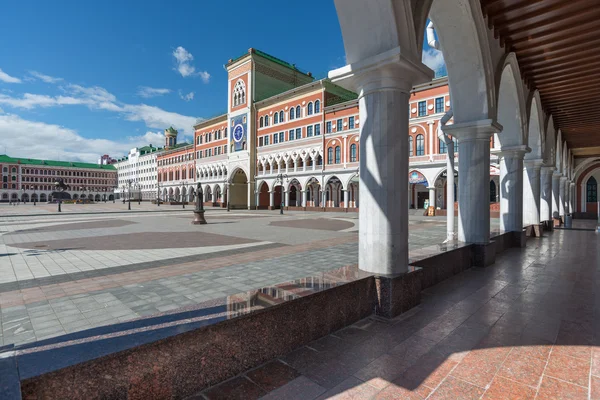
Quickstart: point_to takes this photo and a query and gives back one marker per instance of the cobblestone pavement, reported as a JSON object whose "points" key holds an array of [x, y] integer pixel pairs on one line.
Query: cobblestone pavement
{"points": [[63, 273], [526, 327]]}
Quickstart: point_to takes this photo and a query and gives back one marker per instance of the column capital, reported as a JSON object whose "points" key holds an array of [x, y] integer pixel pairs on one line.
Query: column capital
{"points": [[563, 178], [573, 184], [430, 122], [536, 163], [547, 169], [511, 151], [391, 69], [431, 187], [473, 130], [556, 174]]}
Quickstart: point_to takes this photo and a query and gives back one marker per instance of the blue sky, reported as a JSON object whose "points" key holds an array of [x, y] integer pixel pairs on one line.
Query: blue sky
{"points": [[79, 79]]}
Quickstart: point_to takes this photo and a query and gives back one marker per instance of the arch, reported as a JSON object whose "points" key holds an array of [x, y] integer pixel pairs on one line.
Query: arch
{"points": [[292, 113], [263, 195], [298, 112], [275, 118], [97, 198], [550, 143], [237, 191], [42, 197], [511, 105], [333, 192], [261, 122], [183, 194], [309, 109], [535, 139], [24, 197], [558, 154], [208, 194], [317, 106], [239, 93], [591, 190], [420, 145], [218, 194]]}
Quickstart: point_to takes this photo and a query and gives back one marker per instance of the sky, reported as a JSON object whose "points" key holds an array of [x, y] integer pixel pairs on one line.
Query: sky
{"points": [[80, 79]]}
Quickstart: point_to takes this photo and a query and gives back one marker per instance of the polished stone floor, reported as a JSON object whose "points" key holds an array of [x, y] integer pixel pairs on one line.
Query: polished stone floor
{"points": [[96, 265], [527, 327]]}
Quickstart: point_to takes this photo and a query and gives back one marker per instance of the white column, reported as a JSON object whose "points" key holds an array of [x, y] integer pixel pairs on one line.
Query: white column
{"points": [[450, 234], [546, 193], [572, 198], [345, 149], [271, 198], [287, 198], [531, 192], [383, 83], [304, 195], [431, 135], [555, 196], [431, 196], [561, 196], [511, 188], [474, 184], [346, 195]]}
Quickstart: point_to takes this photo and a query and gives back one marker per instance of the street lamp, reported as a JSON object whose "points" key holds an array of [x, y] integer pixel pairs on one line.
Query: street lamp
{"points": [[60, 187], [34, 195], [280, 179], [181, 195], [129, 195], [158, 194], [22, 193]]}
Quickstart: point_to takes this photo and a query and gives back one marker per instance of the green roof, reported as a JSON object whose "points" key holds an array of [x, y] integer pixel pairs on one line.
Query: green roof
{"points": [[4, 159], [271, 58], [148, 149]]}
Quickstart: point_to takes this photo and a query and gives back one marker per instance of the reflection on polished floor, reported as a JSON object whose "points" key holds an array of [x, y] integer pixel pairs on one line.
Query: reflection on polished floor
{"points": [[526, 326]]}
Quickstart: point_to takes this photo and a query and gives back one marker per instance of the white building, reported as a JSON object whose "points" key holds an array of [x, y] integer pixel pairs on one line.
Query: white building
{"points": [[137, 174]]}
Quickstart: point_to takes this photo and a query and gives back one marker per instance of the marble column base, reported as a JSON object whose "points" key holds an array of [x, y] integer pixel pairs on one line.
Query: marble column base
{"points": [[398, 294], [534, 230], [520, 239], [483, 255]]}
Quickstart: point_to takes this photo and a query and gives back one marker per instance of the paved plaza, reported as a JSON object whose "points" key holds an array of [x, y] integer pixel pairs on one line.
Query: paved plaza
{"points": [[95, 265]]}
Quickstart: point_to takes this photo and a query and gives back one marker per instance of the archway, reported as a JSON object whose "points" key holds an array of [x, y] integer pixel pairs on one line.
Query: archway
{"points": [[183, 194], [313, 193], [591, 195], [419, 194], [295, 195], [170, 197], [208, 198], [97, 198], [333, 192], [34, 197], [111, 197], [25, 198], [238, 189], [75, 196], [218, 196], [263, 196], [177, 194]]}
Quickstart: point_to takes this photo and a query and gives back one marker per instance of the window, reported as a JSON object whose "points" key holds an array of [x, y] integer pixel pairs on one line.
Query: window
{"points": [[276, 118], [266, 120], [299, 133], [292, 113], [309, 131], [317, 106], [410, 146], [339, 125], [328, 127], [350, 122], [267, 140], [443, 147], [422, 108], [455, 145], [592, 190], [318, 130], [281, 137], [298, 112], [309, 109], [338, 154], [330, 155], [281, 117], [210, 152], [439, 105], [239, 93], [353, 152], [275, 138], [291, 135], [260, 141], [420, 145]]}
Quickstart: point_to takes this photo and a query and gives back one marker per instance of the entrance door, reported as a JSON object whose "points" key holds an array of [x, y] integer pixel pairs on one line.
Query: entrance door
{"points": [[421, 197]]}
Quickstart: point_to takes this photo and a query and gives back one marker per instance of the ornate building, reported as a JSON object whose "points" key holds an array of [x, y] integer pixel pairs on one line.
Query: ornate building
{"points": [[137, 174]]}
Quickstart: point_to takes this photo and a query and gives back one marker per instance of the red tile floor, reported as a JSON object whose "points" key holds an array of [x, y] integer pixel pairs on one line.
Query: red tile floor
{"points": [[525, 328]]}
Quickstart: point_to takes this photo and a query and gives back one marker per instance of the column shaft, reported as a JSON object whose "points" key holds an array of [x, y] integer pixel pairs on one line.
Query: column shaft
{"points": [[531, 192], [346, 195], [271, 198], [555, 196], [431, 196], [561, 196], [546, 194], [511, 191]]}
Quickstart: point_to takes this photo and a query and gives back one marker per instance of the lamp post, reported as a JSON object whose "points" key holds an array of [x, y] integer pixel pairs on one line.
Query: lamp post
{"points": [[60, 187], [139, 192], [22, 193], [158, 194], [34, 196], [129, 195], [280, 179], [181, 196]]}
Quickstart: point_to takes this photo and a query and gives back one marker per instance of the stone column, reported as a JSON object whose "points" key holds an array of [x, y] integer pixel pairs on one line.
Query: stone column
{"points": [[450, 234], [304, 195], [531, 192], [271, 198], [546, 193], [572, 198], [287, 198], [432, 196], [555, 197], [561, 197], [511, 188], [346, 192], [474, 184], [383, 83]]}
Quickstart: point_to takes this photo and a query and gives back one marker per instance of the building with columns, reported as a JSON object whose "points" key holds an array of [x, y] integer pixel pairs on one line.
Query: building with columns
{"points": [[175, 169], [28, 179], [137, 174]]}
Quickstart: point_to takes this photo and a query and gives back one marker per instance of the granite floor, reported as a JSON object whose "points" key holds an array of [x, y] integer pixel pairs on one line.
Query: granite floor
{"points": [[527, 327]]}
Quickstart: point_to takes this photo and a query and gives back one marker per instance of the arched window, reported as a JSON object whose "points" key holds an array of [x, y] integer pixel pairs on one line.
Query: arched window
{"points": [[239, 93], [298, 112], [410, 146], [492, 191], [317, 106], [592, 190], [330, 155], [292, 113], [266, 120], [309, 109], [420, 145], [443, 147], [338, 154], [281, 117], [353, 152], [276, 118]]}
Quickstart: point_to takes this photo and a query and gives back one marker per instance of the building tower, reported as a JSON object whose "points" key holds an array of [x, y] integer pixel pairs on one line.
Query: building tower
{"points": [[170, 138]]}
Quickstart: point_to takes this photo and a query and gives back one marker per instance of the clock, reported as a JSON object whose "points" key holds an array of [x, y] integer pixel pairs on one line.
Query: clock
{"points": [[238, 133]]}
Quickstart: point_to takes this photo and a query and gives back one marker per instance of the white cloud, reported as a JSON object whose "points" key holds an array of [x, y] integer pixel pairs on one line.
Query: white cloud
{"points": [[45, 78], [148, 92], [186, 97], [434, 59], [98, 98], [183, 59], [4, 77], [34, 139]]}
